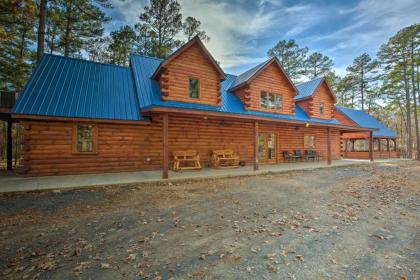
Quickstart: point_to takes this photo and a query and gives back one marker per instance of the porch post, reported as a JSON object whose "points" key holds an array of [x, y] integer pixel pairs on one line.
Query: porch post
{"points": [[371, 145], [387, 148], [165, 147], [379, 144], [9, 151], [255, 145], [329, 146]]}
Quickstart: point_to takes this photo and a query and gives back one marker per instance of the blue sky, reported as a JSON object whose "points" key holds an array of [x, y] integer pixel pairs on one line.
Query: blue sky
{"points": [[242, 31]]}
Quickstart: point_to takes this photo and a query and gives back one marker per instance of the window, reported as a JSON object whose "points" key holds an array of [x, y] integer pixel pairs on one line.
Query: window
{"points": [[263, 99], [194, 88], [271, 98], [309, 142], [84, 139], [279, 102], [321, 109]]}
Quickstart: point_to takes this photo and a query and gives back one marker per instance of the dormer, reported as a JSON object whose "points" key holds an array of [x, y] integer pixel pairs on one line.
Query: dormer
{"points": [[266, 88], [316, 98], [191, 75]]}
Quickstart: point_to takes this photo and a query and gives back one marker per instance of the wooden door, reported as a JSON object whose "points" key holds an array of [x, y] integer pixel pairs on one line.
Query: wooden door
{"points": [[267, 147]]}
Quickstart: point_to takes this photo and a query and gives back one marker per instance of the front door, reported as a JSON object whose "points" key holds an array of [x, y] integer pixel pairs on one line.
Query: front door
{"points": [[267, 151]]}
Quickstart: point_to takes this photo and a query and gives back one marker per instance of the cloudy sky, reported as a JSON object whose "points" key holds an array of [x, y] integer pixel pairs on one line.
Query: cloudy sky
{"points": [[242, 31]]}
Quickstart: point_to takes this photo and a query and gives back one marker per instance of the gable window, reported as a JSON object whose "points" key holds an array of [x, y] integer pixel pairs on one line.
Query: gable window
{"points": [[309, 142], [321, 109], [279, 102], [263, 99], [84, 138], [194, 88], [269, 100]]}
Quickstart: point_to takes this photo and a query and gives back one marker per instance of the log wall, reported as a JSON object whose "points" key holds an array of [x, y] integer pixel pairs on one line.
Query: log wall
{"points": [[174, 81], [273, 80], [311, 105], [123, 147], [376, 155]]}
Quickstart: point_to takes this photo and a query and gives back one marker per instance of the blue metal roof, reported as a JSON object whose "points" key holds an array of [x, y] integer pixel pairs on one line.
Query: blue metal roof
{"points": [[308, 88], [244, 77], [149, 95], [365, 120], [68, 87]]}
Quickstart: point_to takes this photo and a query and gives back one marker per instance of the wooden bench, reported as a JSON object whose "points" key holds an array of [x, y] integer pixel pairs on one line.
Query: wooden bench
{"points": [[184, 160], [224, 158]]}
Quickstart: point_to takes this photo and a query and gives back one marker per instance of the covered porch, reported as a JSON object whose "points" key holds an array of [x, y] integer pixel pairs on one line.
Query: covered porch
{"points": [[359, 148], [263, 141]]}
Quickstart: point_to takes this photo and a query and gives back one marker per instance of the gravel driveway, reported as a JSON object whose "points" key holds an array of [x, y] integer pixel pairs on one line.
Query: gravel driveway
{"points": [[337, 223]]}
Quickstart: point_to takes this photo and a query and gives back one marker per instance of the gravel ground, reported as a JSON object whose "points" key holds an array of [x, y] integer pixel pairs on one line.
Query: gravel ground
{"points": [[340, 223]]}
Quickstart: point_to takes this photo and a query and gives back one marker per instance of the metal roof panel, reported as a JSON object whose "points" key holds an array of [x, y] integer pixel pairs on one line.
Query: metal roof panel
{"points": [[69, 87]]}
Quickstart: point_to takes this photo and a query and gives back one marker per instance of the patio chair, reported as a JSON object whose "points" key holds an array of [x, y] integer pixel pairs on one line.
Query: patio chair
{"points": [[310, 155], [287, 156], [298, 154]]}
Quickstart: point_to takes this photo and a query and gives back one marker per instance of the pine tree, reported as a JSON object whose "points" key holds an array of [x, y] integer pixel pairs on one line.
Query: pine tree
{"points": [[78, 22], [362, 70], [158, 26], [122, 42], [317, 65], [291, 57], [191, 28], [17, 18], [395, 57]]}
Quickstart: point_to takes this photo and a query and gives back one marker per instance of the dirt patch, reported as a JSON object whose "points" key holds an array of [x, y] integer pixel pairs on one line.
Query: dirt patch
{"points": [[340, 223]]}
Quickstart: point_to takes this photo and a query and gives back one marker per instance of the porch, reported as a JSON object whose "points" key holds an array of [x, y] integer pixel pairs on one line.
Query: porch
{"points": [[17, 183], [358, 148]]}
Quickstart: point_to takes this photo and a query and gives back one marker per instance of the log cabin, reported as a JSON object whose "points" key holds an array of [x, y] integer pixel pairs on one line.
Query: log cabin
{"points": [[86, 117]]}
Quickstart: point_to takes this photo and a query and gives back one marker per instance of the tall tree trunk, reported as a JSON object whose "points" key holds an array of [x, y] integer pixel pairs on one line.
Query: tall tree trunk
{"points": [[362, 87], [413, 83], [68, 29], [408, 107], [41, 29]]}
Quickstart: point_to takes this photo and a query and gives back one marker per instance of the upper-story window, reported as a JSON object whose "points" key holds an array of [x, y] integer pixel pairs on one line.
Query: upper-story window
{"points": [[321, 109], [194, 88], [263, 99], [271, 100], [279, 102]]}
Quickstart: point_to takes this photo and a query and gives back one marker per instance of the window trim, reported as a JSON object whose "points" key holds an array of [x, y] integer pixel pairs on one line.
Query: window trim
{"points": [[95, 139], [267, 101], [199, 88], [309, 135]]}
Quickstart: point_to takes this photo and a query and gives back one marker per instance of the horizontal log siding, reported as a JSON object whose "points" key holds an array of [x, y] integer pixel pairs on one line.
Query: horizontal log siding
{"points": [[191, 63], [272, 80], [323, 94], [290, 139], [121, 147], [48, 148], [376, 155], [339, 116], [207, 135]]}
